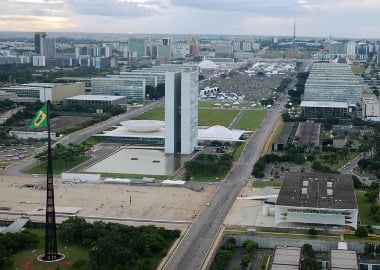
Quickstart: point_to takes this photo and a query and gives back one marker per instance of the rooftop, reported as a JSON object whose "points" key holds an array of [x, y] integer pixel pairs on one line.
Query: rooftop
{"points": [[286, 258], [343, 259], [324, 104], [309, 133], [95, 97], [317, 190]]}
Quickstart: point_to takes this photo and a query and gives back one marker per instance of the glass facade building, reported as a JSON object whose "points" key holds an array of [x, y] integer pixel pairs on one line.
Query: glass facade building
{"points": [[133, 89], [334, 83]]}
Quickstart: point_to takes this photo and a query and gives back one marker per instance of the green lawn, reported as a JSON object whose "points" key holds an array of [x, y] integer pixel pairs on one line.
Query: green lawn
{"points": [[263, 184], [27, 259], [212, 117], [251, 120], [210, 104], [154, 114], [336, 165], [206, 117], [238, 151], [364, 209], [58, 167], [264, 261], [94, 140], [361, 239], [357, 70]]}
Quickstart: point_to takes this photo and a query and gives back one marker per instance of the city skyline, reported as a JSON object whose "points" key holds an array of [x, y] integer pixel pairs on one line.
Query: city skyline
{"points": [[343, 18]]}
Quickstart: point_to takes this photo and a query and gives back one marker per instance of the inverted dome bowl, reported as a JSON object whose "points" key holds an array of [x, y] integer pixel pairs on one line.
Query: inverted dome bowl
{"points": [[143, 125]]}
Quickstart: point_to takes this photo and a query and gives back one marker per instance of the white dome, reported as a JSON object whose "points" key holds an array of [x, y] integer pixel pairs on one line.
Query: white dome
{"points": [[143, 125], [207, 64], [219, 132]]}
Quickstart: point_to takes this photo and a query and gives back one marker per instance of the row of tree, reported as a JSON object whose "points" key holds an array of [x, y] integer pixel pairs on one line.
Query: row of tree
{"points": [[11, 243], [209, 165], [227, 249], [117, 246], [61, 153]]}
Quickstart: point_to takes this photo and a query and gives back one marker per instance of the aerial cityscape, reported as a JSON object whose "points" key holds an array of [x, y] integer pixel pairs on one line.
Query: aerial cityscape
{"points": [[185, 135]]}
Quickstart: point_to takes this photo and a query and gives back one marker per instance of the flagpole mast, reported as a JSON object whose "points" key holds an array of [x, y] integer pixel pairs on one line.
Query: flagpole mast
{"points": [[51, 253]]}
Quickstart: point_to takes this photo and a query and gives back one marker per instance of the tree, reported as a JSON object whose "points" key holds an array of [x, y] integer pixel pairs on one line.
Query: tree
{"points": [[309, 262], [357, 183], [250, 246], [371, 196], [245, 260], [361, 232], [312, 232]]}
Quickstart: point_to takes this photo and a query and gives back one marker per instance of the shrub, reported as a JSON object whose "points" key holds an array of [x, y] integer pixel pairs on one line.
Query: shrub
{"points": [[361, 232]]}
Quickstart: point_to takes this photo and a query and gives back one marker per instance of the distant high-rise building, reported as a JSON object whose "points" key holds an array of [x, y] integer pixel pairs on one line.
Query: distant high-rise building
{"points": [[180, 50], [336, 47], [223, 50], [164, 51], [38, 61], [37, 41], [167, 41], [246, 46], [351, 49], [236, 45], [181, 112], [136, 47], [362, 50], [48, 48]]}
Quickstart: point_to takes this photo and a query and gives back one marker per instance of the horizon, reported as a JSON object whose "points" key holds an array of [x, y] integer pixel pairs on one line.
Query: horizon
{"points": [[15, 34]]}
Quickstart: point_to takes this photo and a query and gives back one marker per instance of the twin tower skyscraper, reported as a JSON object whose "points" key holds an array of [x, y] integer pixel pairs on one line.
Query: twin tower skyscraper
{"points": [[181, 112]]}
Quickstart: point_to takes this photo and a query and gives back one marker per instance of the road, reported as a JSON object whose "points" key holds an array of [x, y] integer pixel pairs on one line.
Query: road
{"points": [[192, 250]]}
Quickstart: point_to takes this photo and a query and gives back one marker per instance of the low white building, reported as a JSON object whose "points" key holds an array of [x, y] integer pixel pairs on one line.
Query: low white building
{"points": [[314, 198]]}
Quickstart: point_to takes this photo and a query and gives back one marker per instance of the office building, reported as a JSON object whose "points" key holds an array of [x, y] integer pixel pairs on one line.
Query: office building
{"points": [[37, 41], [223, 50], [97, 101], [246, 46], [164, 52], [48, 48], [133, 89], [351, 49], [336, 48], [370, 106], [333, 82], [167, 41], [180, 50], [317, 199], [55, 92], [181, 112], [38, 61], [324, 109], [136, 48]]}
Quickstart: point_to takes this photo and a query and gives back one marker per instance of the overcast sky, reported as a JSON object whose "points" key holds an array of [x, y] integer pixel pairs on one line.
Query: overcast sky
{"points": [[337, 18]]}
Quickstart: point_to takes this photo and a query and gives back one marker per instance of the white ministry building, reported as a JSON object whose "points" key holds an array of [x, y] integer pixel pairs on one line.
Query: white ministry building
{"points": [[181, 112]]}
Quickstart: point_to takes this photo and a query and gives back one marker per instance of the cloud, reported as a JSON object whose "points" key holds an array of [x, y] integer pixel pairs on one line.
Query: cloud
{"points": [[260, 7], [113, 7]]}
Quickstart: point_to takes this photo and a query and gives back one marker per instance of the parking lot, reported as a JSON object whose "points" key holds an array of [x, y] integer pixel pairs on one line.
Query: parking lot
{"points": [[9, 154]]}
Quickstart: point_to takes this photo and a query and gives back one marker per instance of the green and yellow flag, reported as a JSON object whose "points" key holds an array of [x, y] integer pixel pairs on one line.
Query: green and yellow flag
{"points": [[40, 119]]}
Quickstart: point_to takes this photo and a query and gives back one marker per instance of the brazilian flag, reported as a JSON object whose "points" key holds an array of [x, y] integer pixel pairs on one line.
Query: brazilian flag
{"points": [[40, 119]]}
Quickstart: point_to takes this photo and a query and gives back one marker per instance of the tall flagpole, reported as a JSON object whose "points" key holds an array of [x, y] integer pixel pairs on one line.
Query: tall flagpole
{"points": [[51, 253]]}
